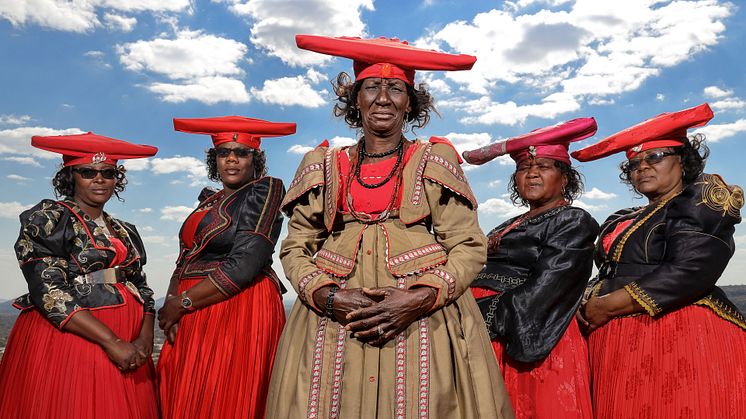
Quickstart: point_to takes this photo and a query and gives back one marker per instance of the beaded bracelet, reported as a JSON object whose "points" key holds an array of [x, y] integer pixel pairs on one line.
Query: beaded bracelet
{"points": [[330, 301]]}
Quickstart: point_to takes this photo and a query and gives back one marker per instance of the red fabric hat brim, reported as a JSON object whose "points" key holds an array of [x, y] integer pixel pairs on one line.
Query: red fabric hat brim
{"points": [[555, 152], [556, 135], [670, 126], [369, 52], [223, 129], [91, 148]]}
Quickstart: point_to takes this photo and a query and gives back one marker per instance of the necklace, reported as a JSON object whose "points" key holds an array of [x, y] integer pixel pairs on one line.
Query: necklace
{"points": [[359, 163], [367, 218], [382, 154]]}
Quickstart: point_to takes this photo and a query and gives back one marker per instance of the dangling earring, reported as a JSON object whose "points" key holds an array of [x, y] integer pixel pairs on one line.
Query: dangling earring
{"points": [[356, 114]]}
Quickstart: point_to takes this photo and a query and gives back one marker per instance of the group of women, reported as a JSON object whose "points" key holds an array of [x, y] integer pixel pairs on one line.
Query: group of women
{"points": [[405, 308]]}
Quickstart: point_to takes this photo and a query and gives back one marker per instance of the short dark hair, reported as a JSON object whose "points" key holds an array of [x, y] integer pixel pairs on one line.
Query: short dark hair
{"points": [[64, 182], [694, 153], [571, 191], [420, 101], [259, 163]]}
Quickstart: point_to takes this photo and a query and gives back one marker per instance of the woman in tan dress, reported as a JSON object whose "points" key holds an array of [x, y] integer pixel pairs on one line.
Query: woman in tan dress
{"points": [[383, 240]]}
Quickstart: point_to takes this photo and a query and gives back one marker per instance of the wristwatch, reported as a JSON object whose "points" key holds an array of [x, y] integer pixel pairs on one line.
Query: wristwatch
{"points": [[186, 302]]}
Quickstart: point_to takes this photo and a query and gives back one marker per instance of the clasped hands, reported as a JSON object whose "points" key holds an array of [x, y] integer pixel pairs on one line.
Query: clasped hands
{"points": [[377, 315]]}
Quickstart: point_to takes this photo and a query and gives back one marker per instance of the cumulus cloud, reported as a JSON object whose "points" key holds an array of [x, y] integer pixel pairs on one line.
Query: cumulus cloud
{"points": [[464, 142], [588, 52], [596, 193], [120, 23], [29, 161], [145, 211], [195, 169], [18, 141], [714, 92], [176, 213], [299, 149], [588, 207], [342, 141], [136, 165], [78, 16], [98, 58], [500, 207], [731, 103], [718, 132], [276, 22], [14, 119], [201, 66], [288, 91], [660, 97], [11, 209]]}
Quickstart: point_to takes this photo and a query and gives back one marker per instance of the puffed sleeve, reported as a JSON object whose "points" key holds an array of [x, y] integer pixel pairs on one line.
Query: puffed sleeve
{"points": [[699, 228], [137, 275], [43, 249], [455, 225], [532, 317], [258, 228]]}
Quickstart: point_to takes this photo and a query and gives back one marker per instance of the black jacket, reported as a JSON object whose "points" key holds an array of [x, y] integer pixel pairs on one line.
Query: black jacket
{"points": [[542, 267]]}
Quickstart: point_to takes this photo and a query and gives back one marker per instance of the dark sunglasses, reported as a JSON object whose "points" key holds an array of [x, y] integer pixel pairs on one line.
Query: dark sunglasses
{"points": [[650, 159], [240, 152], [90, 173]]}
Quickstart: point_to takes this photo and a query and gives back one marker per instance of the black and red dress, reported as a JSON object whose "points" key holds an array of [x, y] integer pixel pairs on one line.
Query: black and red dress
{"points": [[49, 373], [220, 364], [528, 293], [685, 357]]}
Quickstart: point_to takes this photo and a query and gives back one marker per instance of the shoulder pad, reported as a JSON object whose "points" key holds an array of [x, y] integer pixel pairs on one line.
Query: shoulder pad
{"points": [[442, 166], [310, 174]]}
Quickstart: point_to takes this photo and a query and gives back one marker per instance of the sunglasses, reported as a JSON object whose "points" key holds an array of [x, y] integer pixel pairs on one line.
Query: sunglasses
{"points": [[90, 173], [651, 159], [240, 152]]}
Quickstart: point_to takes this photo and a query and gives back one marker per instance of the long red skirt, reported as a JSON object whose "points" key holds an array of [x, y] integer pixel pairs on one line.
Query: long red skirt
{"points": [[220, 364], [48, 373], [557, 387], [686, 364]]}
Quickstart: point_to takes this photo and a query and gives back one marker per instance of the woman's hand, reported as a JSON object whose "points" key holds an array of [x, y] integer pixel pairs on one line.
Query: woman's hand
{"points": [[582, 321], [345, 301], [171, 334], [600, 310], [596, 313], [394, 311], [123, 354], [170, 313], [144, 341]]}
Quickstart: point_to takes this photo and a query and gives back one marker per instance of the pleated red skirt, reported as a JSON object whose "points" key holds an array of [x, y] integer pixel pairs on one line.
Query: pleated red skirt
{"points": [[686, 364], [557, 387], [48, 373], [221, 361]]}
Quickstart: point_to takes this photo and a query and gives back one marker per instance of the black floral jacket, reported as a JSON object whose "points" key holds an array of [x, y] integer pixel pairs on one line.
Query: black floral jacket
{"points": [[58, 243]]}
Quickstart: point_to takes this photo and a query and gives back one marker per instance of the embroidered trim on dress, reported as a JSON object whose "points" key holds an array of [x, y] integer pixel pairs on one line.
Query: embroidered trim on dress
{"points": [[331, 204], [314, 392], [400, 385], [313, 167], [424, 396], [338, 368], [447, 165], [335, 258], [224, 283], [720, 197], [304, 282], [414, 254], [643, 298], [723, 311], [449, 279], [418, 183]]}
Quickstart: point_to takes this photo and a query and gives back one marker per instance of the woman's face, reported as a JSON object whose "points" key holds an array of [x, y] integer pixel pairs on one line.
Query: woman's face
{"points": [[539, 181], [235, 164], [94, 183], [656, 173], [383, 105]]}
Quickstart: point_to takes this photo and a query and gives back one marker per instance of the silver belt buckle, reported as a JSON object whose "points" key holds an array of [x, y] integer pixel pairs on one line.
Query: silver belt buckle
{"points": [[103, 276]]}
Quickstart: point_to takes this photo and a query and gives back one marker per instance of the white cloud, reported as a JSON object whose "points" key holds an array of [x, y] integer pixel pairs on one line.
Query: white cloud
{"points": [[464, 142], [145, 211], [98, 58], [287, 91], [18, 141], [23, 160], [18, 178], [500, 207], [495, 183], [195, 169], [136, 165], [78, 15], [715, 92], [209, 90], [14, 119], [342, 141], [715, 133], [159, 240], [299, 149], [276, 22], [660, 97], [588, 53], [204, 67], [120, 23], [588, 207], [11, 209], [596, 193], [177, 213], [731, 103]]}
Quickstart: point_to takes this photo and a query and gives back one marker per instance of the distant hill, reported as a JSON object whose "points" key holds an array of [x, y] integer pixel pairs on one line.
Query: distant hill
{"points": [[737, 294]]}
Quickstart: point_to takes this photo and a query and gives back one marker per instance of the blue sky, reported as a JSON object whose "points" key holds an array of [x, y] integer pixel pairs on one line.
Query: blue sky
{"points": [[124, 68]]}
